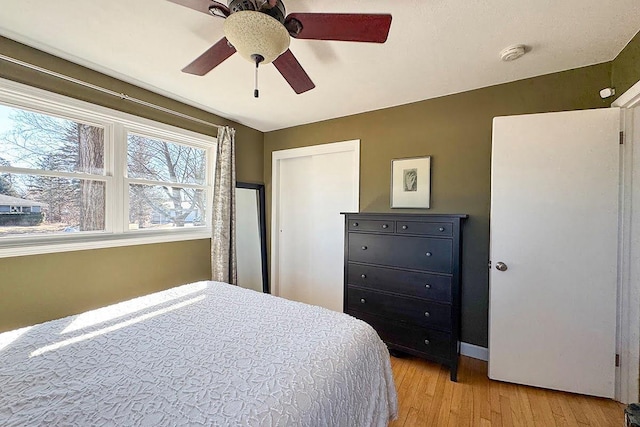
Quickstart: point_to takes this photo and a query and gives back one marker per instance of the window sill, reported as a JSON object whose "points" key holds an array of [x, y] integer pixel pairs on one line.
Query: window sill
{"points": [[15, 248]]}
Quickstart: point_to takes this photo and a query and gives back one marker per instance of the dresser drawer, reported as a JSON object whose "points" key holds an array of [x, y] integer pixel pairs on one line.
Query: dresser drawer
{"points": [[444, 229], [382, 226], [401, 309], [418, 253], [428, 341], [422, 285]]}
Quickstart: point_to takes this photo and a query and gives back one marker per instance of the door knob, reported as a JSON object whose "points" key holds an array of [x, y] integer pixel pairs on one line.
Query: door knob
{"points": [[501, 266]]}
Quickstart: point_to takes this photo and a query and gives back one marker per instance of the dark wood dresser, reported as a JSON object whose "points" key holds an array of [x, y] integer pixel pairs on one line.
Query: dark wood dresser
{"points": [[402, 276]]}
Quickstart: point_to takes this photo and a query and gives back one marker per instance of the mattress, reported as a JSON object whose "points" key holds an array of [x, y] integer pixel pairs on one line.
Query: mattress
{"points": [[206, 353]]}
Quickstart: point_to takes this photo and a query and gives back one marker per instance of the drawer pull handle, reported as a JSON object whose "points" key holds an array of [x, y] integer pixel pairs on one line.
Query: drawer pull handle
{"points": [[427, 314], [362, 300], [428, 286], [364, 276], [385, 226], [355, 224], [429, 254], [441, 229], [364, 248], [427, 342], [404, 227]]}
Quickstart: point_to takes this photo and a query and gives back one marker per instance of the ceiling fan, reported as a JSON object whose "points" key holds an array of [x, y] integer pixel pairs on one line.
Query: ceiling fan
{"points": [[260, 31]]}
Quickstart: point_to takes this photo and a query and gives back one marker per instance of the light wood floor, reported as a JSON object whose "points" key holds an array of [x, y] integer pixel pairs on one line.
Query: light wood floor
{"points": [[426, 397]]}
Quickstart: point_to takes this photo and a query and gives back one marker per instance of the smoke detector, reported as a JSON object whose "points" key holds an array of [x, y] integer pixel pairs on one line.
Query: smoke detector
{"points": [[512, 53]]}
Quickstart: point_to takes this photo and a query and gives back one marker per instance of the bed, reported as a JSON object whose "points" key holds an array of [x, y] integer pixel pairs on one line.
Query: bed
{"points": [[205, 353]]}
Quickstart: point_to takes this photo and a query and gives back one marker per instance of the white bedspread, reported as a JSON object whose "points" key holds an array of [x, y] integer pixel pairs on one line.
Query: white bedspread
{"points": [[200, 355]]}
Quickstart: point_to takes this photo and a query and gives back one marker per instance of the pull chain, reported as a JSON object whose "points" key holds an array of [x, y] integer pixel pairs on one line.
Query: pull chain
{"points": [[256, 92], [258, 59]]}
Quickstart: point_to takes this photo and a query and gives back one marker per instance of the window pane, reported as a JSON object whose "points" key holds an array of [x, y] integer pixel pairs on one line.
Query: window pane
{"points": [[158, 160], [157, 207], [34, 204], [37, 141]]}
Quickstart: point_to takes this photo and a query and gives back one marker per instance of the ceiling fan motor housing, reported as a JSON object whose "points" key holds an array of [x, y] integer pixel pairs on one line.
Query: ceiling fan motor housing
{"points": [[277, 12]]}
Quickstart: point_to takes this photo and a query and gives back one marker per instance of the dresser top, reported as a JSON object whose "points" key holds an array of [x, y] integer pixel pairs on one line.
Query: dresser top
{"points": [[406, 215]]}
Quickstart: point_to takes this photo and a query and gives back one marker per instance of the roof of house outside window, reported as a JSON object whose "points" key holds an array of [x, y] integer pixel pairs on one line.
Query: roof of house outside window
{"points": [[16, 201]]}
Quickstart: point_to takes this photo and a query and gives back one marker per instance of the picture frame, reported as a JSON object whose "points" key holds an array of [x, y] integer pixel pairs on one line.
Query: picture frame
{"points": [[411, 182]]}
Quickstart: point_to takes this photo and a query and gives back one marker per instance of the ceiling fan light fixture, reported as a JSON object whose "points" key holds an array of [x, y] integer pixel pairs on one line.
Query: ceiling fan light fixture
{"points": [[256, 33]]}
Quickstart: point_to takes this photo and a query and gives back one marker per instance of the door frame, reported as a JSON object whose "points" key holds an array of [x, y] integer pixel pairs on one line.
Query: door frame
{"points": [[628, 336], [276, 158]]}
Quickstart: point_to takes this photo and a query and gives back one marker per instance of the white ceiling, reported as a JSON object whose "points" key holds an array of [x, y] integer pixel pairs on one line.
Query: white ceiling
{"points": [[435, 48]]}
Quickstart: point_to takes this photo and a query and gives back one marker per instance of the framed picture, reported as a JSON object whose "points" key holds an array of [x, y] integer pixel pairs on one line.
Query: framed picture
{"points": [[411, 182]]}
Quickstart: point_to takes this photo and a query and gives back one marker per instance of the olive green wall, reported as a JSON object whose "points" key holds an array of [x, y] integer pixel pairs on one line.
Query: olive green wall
{"points": [[43, 287], [625, 69], [456, 131]]}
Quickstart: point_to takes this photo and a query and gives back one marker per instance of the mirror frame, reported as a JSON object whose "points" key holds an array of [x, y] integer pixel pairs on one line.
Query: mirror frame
{"points": [[262, 223]]}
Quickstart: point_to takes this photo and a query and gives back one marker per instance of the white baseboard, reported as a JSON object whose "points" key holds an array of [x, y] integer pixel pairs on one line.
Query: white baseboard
{"points": [[474, 351]]}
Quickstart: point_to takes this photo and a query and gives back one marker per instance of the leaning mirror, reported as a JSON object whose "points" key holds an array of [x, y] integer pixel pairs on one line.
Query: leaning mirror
{"points": [[251, 235]]}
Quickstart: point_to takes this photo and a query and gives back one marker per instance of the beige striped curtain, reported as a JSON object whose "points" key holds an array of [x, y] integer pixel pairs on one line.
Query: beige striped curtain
{"points": [[223, 238]]}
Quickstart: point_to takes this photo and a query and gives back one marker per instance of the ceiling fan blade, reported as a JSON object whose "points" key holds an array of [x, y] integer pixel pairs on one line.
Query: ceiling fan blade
{"points": [[204, 6], [209, 60], [373, 28], [293, 72]]}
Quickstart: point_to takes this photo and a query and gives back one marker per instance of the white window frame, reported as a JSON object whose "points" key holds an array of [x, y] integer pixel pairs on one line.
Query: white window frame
{"points": [[116, 125], [155, 133]]}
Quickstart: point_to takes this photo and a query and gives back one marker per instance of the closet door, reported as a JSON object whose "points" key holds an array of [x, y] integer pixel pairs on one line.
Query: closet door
{"points": [[554, 250], [313, 188]]}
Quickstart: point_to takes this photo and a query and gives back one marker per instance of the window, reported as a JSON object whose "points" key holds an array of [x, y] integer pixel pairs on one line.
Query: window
{"points": [[167, 183], [52, 176], [74, 175]]}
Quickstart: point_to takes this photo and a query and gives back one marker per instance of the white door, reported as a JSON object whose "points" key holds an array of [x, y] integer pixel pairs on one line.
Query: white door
{"points": [[312, 187], [554, 224]]}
